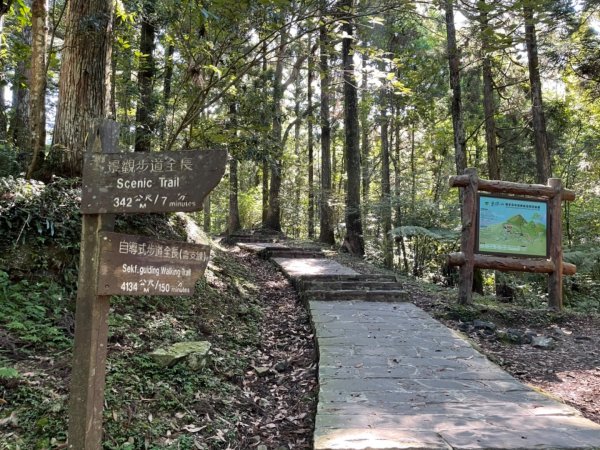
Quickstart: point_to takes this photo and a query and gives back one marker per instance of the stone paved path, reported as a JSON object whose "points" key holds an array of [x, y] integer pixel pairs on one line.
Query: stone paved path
{"points": [[391, 377]]}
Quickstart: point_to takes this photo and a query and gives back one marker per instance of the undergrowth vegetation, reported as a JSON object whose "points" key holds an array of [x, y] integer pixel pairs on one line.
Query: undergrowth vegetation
{"points": [[147, 406]]}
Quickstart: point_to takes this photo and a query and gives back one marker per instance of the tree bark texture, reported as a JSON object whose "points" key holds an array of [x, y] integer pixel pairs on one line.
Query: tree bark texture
{"points": [[353, 241], [364, 138], [206, 214], [310, 147], [37, 85], [542, 153], [273, 219], [233, 223], [3, 116], [166, 100], [19, 124], [326, 220], [488, 96], [84, 83], [144, 116], [386, 207], [456, 106]]}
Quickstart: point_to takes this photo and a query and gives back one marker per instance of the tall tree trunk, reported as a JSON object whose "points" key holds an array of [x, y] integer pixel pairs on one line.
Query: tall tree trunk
{"points": [[19, 124], [273, 220], [206, 215], [326, 220], [353, 241], [297, 225], [456, 108], [145, 109], [84, 84], [311, 146], [5, 6], [386, 207], [167, 82], [364, 138], [264, 123], [542, 153], [233, 223], [37, 84], [398, 222], [488, 95], [265, 191]]}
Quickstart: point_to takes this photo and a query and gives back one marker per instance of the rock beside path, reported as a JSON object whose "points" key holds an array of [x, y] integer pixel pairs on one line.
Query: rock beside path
{"points": [[195, 353]]}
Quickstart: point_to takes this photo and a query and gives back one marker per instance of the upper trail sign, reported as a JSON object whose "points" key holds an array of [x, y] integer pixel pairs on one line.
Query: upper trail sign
{"points": [[149, 182]]}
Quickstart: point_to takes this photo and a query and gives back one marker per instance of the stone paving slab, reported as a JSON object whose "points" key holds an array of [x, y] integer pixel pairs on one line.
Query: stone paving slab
{"points": [[294, 267], [391, 377]]}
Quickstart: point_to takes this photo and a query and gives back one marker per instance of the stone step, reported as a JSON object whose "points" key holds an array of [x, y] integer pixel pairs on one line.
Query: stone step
{"points": [[291, 254], [347, 277], [252, 238], [367, 296], [316, 285], [286, 252]]}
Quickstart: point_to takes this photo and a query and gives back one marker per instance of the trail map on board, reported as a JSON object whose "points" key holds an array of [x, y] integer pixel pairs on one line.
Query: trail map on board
{"points": [[512, 226]]}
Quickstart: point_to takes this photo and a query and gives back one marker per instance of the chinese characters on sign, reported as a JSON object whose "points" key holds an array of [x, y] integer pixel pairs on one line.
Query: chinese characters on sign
{"points": [[139, 265], [512, 226], [149, 182]]}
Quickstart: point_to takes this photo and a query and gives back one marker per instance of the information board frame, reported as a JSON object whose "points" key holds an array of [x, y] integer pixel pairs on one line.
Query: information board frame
{"points": [[523, 233]]}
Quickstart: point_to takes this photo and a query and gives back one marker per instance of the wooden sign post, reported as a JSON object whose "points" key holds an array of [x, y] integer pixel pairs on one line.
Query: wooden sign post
{"points": [[120, 264], [518, 230], [86, 401]]}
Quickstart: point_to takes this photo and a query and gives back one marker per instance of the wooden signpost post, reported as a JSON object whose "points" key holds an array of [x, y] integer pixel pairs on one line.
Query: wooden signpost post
{"points": [[518, 230], [120, 264]]}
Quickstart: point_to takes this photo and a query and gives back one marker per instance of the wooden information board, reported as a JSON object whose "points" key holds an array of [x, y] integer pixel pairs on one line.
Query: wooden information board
{"points": [[149, 182], [140, 265]]}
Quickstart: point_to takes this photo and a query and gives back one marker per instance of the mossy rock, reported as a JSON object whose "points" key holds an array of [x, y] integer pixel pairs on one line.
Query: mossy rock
{"points": [[195, 353]]}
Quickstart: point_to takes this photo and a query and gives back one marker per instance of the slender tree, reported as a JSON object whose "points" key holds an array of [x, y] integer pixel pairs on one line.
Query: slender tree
{"points": [[326, 218], [233, 222], [456, 107], [147, 68], [353, 241], [489, 107], [37, 83], [386, 206], [310, 143], [542, 153]]}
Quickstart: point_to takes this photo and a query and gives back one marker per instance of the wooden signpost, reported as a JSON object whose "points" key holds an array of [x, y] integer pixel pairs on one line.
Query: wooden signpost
{"points": [[149, 182], [518, 230], [120, 264]]}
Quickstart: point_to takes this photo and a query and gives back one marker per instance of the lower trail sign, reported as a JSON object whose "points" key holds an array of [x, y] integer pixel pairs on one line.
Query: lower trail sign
{"points": [[139, 265]]}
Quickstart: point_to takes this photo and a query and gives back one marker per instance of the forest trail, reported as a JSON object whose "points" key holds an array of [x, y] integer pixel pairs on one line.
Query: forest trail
{"points": [[392, 377]]}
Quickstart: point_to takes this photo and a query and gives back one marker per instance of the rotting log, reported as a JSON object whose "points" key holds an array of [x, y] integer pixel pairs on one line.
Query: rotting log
{"points": [[510, 264], [508, 187]]}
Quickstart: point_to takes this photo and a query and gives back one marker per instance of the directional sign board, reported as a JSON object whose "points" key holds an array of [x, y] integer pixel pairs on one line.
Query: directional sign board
{"points": [[140, 265], [149, 181]]}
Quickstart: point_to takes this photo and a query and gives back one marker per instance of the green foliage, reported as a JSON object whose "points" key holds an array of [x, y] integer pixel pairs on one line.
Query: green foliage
{"points": [[10, 164], [30, 312], [39, 228]]}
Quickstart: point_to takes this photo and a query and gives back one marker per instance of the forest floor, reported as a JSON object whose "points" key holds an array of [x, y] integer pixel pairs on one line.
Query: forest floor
{"points": [[259, 388], [566, 366]]}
